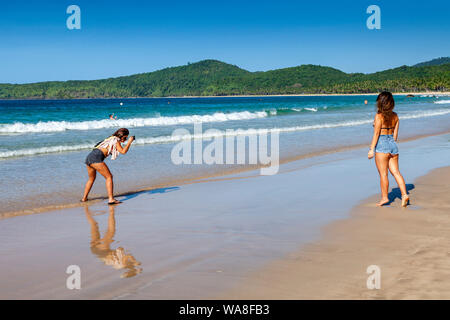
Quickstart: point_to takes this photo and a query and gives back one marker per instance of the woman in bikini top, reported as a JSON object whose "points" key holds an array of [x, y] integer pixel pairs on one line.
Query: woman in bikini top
{"points": [[384, 147]]}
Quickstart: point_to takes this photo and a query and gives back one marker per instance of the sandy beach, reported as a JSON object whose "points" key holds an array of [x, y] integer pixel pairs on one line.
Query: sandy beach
{"points": [[228, 236], [225, 160], [410, 246]]}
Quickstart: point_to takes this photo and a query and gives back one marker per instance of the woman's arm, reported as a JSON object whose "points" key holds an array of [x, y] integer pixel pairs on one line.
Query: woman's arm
{"points": [[396, 129], [376, 134], [124, 150]]}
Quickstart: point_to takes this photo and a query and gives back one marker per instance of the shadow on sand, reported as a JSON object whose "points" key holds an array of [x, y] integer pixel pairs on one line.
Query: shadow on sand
{"points": [[130, 196], [396, 193]]}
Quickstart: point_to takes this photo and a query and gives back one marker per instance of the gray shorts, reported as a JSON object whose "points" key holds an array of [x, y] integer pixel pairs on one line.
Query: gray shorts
{"points": [[95, 156]]}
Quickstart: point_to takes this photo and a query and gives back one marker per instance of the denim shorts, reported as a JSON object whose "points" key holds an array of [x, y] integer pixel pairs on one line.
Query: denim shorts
{"points": [[95, 156], [386, 144]]}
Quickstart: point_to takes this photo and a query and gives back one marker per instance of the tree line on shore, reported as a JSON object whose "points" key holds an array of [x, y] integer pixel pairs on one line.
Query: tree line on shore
{"points": [[216, 78]]}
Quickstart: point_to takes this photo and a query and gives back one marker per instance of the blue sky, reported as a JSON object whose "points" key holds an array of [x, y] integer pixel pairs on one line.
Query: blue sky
{"points": [[126, 37]]}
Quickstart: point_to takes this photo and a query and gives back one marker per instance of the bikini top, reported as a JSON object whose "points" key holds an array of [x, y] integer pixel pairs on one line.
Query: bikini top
{"points": [[390, 127], [373, 125]]}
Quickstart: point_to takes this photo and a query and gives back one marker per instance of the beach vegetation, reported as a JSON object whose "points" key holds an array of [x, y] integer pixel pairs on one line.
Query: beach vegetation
{"points": [[216, 78]]}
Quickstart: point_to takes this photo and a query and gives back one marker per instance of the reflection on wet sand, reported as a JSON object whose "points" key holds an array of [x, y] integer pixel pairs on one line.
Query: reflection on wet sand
{"points": [[101, 247]]}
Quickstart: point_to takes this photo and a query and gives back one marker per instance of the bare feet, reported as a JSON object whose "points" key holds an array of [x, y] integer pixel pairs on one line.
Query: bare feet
{"points": [[84, 200], [382, 202], [114, 201], [405, 200]]}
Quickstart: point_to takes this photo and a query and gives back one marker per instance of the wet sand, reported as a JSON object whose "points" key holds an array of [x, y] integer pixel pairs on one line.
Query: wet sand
{"points": [[411, 246], [208, 239], [201, 176]]}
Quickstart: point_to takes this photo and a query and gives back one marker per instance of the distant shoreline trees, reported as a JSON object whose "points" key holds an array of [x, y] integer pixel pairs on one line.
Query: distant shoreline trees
{"points": [[215, 78]]}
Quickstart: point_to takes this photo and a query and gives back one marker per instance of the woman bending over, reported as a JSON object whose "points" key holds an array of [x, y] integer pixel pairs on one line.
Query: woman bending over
{"points": [[94, 161]]}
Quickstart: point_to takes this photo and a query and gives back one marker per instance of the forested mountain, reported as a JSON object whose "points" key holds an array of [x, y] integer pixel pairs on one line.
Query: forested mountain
{"points": [[434, 62], [216, 78]]}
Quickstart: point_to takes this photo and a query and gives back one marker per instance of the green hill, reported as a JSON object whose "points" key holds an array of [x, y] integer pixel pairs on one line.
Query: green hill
{"points": [[215, 78], [434, 62]]}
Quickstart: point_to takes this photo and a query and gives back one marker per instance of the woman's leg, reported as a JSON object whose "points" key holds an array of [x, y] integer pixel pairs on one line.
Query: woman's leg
{"points": [[382, 161], [393, 168], [103, 169], [92, 174]]}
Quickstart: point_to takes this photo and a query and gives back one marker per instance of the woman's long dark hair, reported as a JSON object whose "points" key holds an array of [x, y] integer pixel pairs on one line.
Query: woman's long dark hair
{"points": [[385, 105], [122, 132]]}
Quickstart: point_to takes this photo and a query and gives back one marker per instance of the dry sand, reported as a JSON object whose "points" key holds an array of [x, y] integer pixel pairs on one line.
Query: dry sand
{"points": [[410, 245]]}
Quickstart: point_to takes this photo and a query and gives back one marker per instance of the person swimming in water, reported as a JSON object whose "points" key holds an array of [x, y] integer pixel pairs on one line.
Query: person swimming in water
{"points": [[112, 117], [94, 161]]}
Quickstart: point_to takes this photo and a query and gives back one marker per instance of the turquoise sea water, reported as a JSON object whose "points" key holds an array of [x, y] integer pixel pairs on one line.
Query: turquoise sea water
{"points": [[43, 143]]}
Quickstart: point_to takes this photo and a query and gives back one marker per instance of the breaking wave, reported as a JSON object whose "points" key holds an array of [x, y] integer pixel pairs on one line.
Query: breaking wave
{"points": [[59, 126], [208, 134]]}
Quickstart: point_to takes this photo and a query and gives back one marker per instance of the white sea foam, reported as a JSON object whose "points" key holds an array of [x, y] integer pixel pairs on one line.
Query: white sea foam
{"points": [[442, 102], [209, 135], [59, 126], [311, 109], [43, 150], [424, 114], [176, 138]]}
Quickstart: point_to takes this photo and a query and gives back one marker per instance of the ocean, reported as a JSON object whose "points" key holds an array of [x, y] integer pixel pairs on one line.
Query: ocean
{"points": [[43, 143]]}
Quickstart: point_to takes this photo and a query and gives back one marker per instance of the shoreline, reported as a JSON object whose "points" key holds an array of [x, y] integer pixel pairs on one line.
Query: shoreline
{"points": [[192, 246], [198, 179], [436, 93], [409, 245]]}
